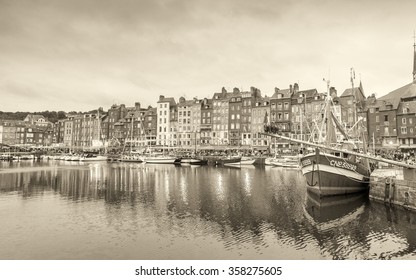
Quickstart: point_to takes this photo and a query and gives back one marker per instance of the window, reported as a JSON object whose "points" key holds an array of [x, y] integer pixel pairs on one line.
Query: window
{"points": [[377, 119], [386, 118], [403, 130], [403, 120], [371, 110]]}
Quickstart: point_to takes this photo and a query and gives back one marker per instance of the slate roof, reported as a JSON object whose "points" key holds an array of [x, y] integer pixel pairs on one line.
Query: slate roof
{"points": [[405, 92], [285, 92], [171, 100], [308, 93], [349, 92], [186, 103], [410, 105]]}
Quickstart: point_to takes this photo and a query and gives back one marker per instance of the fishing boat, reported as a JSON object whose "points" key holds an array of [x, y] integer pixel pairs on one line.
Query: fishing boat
{"points": [[229, 160], [334, 167], [329, 172]]}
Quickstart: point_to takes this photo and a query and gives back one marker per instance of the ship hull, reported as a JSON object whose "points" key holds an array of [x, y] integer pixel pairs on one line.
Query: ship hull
{"points": [[160, 160], [328, 175]]}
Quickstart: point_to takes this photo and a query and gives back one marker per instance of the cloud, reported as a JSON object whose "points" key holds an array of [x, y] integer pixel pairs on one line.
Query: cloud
{"points": [[73, 54]]}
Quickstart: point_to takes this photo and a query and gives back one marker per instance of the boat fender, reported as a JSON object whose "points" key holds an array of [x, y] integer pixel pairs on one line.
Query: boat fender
{"points": [[406, 199], [392, 189]]}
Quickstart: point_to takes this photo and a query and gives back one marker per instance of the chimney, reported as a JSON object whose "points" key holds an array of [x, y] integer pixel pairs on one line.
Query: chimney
{"points": [[236, 90], [181, 99], [137, 105], [295, 87], [223, 90], [290, 89], [161, 97], [276, 90], [252, 89]]}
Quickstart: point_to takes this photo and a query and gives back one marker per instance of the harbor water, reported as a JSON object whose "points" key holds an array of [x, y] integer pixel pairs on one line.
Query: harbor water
{"points": [[71, 210]]}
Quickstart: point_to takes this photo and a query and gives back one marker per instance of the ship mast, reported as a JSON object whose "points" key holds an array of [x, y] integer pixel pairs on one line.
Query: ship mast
{"points": [[414, 57], [354, 101]]}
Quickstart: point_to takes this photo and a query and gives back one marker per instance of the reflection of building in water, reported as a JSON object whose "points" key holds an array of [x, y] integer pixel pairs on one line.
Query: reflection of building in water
{"points": [[28, 181], [250, 208]]}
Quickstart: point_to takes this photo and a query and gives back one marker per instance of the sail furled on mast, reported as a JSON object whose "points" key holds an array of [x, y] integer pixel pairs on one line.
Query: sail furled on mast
{"points": [[331, 136], [338, 125]]}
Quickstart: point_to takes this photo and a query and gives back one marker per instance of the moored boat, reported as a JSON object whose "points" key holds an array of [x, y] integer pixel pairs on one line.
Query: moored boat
{"points": [[230, 160], [328, 174], [160, 159], [198, 161], [286, 161], [334, 168], [243, 161], [92, 157], [131, 158]]}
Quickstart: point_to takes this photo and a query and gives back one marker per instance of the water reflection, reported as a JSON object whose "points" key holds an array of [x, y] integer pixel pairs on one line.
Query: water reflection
{"points": [[185, 212]]}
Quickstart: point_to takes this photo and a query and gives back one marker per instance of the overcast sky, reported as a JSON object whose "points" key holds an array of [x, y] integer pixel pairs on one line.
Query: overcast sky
{"points": [[83, 54]]}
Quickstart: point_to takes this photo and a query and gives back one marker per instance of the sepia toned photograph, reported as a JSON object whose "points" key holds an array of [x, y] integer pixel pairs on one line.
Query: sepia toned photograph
{"points": [[207, 130]]}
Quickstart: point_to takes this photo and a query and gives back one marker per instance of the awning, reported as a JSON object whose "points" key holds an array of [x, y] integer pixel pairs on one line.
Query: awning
{"points": [[407, 146]]}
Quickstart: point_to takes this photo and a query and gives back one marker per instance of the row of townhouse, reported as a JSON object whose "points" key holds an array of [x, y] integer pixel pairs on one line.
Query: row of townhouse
{"points": [[120, 125], [34, 130], [235, 118], [228, 119]]}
